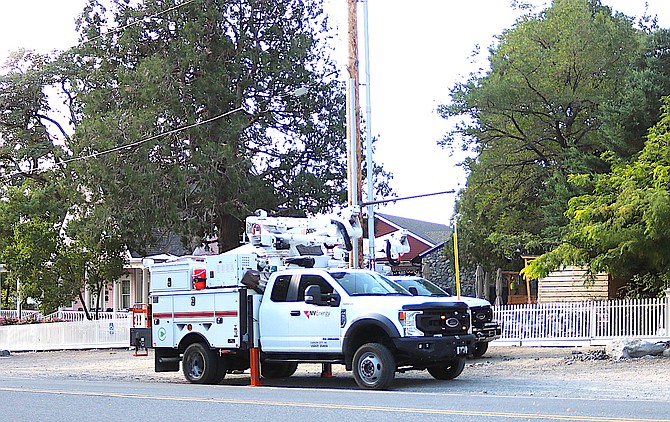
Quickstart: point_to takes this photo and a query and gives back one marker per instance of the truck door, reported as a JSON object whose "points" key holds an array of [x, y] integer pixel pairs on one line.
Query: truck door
{"points": [[314, 328], [274, 316]]}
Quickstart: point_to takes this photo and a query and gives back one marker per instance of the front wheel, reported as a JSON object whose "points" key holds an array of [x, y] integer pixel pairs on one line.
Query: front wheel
{"points": [[374, 366], [480, 349], [200, 364], [448, 370]]}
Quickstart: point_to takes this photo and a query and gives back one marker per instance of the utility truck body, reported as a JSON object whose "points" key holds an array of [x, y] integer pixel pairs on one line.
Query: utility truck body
{"points": [[289, 299]]}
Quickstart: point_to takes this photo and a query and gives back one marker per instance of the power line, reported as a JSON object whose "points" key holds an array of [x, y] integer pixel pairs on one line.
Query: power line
{"points": [[127, 146], [298, 92], [170, 132], [123, 147], [384, 201]]}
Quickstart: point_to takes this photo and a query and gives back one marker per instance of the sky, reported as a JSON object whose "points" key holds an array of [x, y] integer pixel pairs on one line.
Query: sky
{"points": [[418, 51]]}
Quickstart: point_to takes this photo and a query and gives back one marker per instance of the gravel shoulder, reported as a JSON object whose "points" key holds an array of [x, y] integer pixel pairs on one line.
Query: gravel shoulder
{"points": [[503, 370]]}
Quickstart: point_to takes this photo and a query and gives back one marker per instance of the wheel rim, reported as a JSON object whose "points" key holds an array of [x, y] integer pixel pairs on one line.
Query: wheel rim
{"points": [[370, 368], [196, 364]]}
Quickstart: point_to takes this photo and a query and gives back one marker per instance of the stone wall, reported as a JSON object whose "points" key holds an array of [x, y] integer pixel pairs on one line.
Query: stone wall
{"points": [[438, 269]]}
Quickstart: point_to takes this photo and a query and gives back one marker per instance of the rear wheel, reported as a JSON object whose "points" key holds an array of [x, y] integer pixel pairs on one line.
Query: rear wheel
{"points": [[274, 370], [374, 366], [448, 370], [221, 369], [200, 364], [480, 349]]}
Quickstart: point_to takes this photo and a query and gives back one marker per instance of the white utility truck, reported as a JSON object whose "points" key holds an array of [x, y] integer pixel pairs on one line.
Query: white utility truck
{"points": [[287, 297]]}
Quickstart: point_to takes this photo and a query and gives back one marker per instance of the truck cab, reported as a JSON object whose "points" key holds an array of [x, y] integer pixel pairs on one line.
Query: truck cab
{"points": [[360, 319]]}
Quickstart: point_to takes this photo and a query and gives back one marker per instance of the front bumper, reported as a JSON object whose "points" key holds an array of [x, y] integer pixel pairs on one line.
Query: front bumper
{"points": [[488, 332], [418, 351]]}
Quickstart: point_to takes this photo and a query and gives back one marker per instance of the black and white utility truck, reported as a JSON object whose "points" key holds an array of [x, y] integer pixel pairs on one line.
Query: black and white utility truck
{"points": [[288, 297], [484, 327]]}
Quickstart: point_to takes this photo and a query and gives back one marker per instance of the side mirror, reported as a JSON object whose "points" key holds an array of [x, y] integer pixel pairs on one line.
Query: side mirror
{"points": [[413, 290], [313, 295]]}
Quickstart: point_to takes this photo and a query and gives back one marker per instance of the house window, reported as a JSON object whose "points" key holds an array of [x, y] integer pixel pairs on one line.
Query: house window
{"points": [[125, 294]]}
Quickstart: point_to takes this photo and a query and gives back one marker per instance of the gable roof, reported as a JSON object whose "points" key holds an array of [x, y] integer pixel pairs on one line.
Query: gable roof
{"points": [[434, 233]]}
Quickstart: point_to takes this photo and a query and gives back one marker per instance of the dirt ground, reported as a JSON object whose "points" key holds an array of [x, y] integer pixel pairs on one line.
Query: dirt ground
{"points": [[569, 364]]}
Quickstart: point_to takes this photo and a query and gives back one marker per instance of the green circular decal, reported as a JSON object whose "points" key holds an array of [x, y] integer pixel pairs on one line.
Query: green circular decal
{"points": [[162, 334]]}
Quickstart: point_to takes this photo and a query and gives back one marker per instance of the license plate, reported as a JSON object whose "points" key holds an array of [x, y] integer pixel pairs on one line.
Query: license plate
{"points": [[461, 350]]}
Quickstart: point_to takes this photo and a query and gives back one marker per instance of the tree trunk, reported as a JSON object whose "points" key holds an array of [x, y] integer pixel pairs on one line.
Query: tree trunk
{"points": [[230, 231], [99, 289], [84, 306]]}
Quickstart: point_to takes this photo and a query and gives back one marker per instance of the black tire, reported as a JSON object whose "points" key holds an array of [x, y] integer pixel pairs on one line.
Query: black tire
{"points": [[275, 370], [221, 369], [374, 366], [480, 349], [200, 364], [448, 370]]}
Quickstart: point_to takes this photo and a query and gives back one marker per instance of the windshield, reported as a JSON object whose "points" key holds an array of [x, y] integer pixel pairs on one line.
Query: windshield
{"points": [[367, 283], [423, 287]]}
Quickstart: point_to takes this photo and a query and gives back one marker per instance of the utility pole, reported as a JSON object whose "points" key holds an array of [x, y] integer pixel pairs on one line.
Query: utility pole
{"points": [[368, 141], [354, 150]]}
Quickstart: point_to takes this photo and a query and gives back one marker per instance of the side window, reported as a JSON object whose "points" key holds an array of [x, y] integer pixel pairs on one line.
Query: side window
{"points": [[280, 288], [310, 280]]}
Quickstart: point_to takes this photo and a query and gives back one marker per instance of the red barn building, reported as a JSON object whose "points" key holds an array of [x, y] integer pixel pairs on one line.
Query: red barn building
{"points": [[424, 237]]}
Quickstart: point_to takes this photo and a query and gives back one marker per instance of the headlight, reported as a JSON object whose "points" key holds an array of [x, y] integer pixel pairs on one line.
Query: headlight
{"points": [[408, 321]]}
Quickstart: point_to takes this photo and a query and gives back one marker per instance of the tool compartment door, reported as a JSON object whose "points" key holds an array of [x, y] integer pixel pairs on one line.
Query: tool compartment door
{"points": [[162, 320]]}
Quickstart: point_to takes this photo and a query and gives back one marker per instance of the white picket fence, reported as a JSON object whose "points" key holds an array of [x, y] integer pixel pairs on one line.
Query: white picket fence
{"points": [[583, 323], [64, 316], [547, 324], [78, 316], [99, 334], [11, 313]]}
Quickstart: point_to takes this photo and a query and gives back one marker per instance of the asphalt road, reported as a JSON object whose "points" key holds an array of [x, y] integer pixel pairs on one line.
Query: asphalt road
{"points": [[299, 398]]}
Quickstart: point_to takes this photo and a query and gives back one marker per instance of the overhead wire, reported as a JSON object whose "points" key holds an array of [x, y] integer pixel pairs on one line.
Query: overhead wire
{"points": [[299, 92], [151, 138], [123, 147]]}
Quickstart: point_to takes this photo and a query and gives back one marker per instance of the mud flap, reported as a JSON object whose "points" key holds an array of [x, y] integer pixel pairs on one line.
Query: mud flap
{"points": [[166, 360]]}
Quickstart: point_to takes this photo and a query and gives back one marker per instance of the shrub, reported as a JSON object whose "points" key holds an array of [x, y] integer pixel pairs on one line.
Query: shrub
{"points": [[8, 321]]}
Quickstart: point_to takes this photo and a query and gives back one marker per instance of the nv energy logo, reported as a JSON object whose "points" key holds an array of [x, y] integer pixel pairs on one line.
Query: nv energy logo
{"points": [[310, 314]]}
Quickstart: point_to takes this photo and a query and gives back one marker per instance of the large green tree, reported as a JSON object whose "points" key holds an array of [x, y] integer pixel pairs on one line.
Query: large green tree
{"points": [[623, 226], [32, 246], [543, 111], [225, 72], [33, 201], [41, 199], [30, 135]]}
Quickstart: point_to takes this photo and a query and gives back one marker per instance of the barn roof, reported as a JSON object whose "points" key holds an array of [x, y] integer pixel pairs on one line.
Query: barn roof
{"points": [[434, 233]]}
